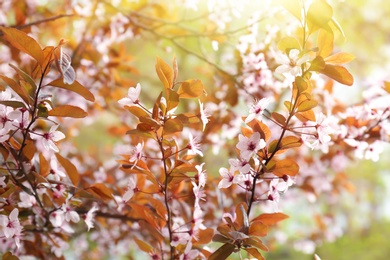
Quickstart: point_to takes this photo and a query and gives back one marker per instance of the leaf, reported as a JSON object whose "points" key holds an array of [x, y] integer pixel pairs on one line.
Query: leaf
{"points": [[294, 7], [288, 43], [29, 149], [279, 118], [9, 256], [21, 41], [338, 73], [173, 125], [254, 252], [32, 88], [270, 219], [285, 167], [70, 169], [306, 116], [204, 236], [68, 111], [172, 99], [101, 190], [255, 242], [44, 167], [325, 43], [258, 228], [165, 73], [319, 14], [290, 142], [261, 128], [17, 88], [339, 58], [301, 85], [288, 105], [137, 111], [13, 103], [75, 87], [386, 86], [191, 88], [317, 64], [306, 105], [223, 252], [145, 247]]}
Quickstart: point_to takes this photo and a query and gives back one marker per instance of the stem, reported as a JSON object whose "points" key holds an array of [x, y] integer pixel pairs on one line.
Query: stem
{"points": [[262, 170], [166, 197]]}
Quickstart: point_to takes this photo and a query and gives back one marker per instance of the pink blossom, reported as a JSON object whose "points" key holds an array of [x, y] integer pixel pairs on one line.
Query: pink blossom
{"points": [[241, 165], [250, 146], [2, 182], [180, 235], [291, 64], [132, 96], [10, 224], [89, 217], [131, 189], [201, 175], [189, 253], [65, 68], [256, 110], [203, 115], [194, 146], [50, 138], [137, 154], [26, 200], [69, 213], [228, 178]]}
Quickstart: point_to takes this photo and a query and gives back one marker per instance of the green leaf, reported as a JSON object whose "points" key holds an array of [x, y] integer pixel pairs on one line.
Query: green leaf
{"points": [[318, 15], [294, 7], [68, 111], [75, 87], [12, 103], [288, 43], [254, 252]]}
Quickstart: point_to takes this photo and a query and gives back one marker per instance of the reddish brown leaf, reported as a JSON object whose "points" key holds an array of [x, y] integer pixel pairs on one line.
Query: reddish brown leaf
{"points": [[270, 218], [223, 252], [70, 169], [101, 190], [44, 167], [68, 111]]}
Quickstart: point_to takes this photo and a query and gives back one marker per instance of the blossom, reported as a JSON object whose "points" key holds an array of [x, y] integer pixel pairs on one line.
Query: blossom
{"points": [[180, 235], [250, 146], [69, 213], [10, 224], [55, 170], [291, 64], [193, 146], [50, 138], [132, 96], [241, 165], [199, 194], [189, 253], [131, 189], [26, 200], [137, 153], [2, 182], [228, 178], [89, 217], [201, 175], [373, 151], [203, 115], [256, 110]]}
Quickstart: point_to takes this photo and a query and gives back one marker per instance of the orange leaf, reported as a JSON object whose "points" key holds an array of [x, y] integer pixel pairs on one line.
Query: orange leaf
{"points": [[338, 73], [270, 219], [68, 111], [101, 190], [165, 73], [191, 88], [325, 43], [204, 236], [70, 169], [17, 88], [173, 125], [306, 116], [339, 58], [21, 41], [75, 87], [258, 228], [143, 245], [44, 167], [29, 150], [285, 167], [306, 105], [279, 118]]}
